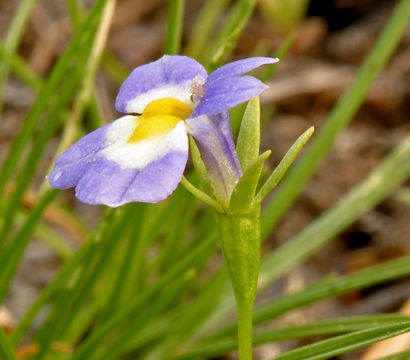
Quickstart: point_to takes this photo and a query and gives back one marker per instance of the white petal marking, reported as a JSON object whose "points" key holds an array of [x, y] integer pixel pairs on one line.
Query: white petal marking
{"points": [[138, 155], [177, 91]]}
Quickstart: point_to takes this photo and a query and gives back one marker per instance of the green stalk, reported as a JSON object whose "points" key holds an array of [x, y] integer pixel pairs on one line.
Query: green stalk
{"points": [[241, 237], [175, 23]]}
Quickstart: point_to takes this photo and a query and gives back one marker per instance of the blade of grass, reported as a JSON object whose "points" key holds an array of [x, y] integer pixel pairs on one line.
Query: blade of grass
{"points": [[11, 261], [12, 40], [21, 69], [327, 288], [62, 278], [344, 343], [173, 290], [24, 178], [227, 37], [403, 355], [339, 117], [97, 337], [202, 29], [320, 328], [76, 292], [48, 236], [6, 350], [175, 23]]}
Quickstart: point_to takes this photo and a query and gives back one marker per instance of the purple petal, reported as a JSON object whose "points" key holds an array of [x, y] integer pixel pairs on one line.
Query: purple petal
{"points": [[213, 136], [170, 76], [239, 67], [224, 94], [107, 183], [107, 169], [72, 163]]}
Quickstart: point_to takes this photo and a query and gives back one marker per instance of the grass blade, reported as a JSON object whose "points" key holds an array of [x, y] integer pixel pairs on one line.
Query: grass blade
{"points": [[175, 23], [320, 328], [12, 40], [6, 350], [341, 344]]}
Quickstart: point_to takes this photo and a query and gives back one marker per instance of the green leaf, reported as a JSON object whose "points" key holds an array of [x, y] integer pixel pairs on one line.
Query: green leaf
{"points": [[284, 165], [175, 23], [242, 198], [403, 355], [12, 40], [247, 145], [227, 37], [202, 29], [6, 350], [342, 344], [326, 327]]}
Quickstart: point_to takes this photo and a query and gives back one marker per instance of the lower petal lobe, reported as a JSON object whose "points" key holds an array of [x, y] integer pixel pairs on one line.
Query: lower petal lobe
{"points": [[113, 171], [170, 76]]}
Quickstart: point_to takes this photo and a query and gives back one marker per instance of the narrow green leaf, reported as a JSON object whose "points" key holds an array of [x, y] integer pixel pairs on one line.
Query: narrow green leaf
{"points": [[326, 288], [247, 145], [284, 165], [11, 256], [175, 23], [48, 236], [227, 37], [403, 355], [21, 69], [280, 53], [242, 198], [62, 278], [97, 337], [342, 344], [6, 350], [202, 28], [320, 328], [12, 40]]}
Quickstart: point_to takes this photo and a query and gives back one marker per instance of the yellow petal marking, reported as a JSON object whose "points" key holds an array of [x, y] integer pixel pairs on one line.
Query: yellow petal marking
{"points": [[159, 117]]}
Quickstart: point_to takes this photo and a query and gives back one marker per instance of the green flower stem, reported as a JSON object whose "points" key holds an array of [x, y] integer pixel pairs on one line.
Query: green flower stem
{"points": [[241, 238]]}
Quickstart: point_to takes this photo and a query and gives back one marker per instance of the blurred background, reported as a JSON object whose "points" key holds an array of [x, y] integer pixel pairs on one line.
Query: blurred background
{"points": [[328, 42]]}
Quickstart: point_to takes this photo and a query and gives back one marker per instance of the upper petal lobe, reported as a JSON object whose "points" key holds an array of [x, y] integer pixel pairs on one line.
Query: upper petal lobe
{"points": [[224, 94], [239, 67], [170, 76]]}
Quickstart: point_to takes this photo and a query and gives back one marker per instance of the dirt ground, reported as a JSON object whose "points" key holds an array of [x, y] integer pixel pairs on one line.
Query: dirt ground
{"points": [[330, 45]]}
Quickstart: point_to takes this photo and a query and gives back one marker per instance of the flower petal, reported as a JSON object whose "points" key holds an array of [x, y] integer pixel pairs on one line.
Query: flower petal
{"points": [[120, 172], [214, 139], [239, 67], [170, 76], [225, 93]]}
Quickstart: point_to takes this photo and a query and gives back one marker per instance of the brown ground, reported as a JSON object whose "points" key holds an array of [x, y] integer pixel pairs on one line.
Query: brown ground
{"points": [[329, 47]]}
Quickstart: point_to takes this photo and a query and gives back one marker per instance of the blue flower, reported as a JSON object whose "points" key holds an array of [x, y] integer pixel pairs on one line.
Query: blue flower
{"points": [[142, 156]]}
